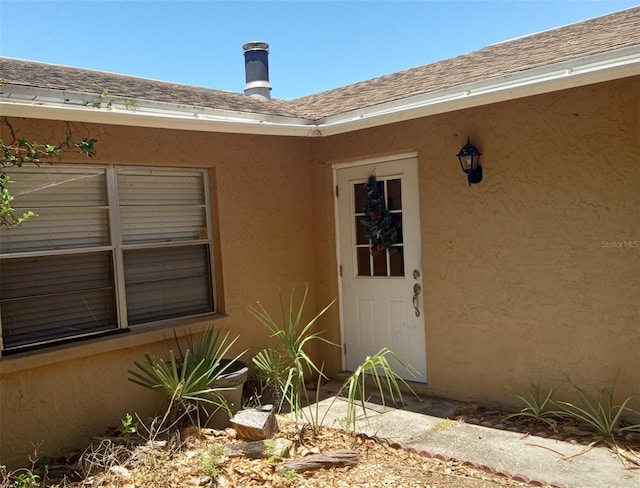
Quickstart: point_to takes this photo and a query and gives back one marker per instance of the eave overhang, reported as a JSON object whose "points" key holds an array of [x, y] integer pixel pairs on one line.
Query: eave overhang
{"points": [[50, 104]]}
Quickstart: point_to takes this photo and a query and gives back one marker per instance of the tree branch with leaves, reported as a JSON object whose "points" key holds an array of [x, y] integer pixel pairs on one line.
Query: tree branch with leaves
{"points": [[19, 151]]}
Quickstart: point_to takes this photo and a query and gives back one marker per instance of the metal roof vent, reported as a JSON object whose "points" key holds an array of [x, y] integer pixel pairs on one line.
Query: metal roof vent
{"points": [[256, 66]]}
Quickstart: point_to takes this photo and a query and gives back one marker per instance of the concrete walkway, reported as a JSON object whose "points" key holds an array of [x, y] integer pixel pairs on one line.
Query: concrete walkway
{"points": [[422, 426]]}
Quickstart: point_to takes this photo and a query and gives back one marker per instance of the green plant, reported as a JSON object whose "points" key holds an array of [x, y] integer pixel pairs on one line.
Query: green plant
{"points": [[445, 424], [189, 378], [287, 367], [110, 101], [288, 474], [26, 479], [601, 414], [19, 151], [377, 369], [211, 459], [536, 408], [128, 427], [604, 417]]}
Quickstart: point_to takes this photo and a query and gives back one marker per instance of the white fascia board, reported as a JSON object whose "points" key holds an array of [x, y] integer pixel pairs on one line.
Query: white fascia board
{"points": [[30, 102], [570, 74]]}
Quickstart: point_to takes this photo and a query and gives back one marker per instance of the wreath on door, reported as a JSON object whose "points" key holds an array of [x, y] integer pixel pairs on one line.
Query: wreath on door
{"points": [[379, 227]]}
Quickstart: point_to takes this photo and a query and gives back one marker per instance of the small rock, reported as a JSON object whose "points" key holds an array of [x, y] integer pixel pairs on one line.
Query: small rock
{"points": [[199, 481], [121, 471], [190, 454], [254, 424], [278, 448]]}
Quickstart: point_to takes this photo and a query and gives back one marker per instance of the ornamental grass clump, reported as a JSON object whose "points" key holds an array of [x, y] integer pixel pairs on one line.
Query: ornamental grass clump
{"points": [[602, 415], [537, 409]]}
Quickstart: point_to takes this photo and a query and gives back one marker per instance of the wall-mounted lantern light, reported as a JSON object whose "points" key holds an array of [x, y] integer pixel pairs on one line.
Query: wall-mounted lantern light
{"points": [[469, 157]]}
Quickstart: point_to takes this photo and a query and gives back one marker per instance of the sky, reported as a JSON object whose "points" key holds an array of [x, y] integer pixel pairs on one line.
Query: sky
{"points": [[315, 45]]}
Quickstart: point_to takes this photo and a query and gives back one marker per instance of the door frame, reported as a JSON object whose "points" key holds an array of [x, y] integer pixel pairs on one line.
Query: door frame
{"points": [[335, 168]]}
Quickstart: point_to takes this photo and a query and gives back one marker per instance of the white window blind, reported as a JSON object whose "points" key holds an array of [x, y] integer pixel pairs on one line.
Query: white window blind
{"points": [[44, 298], [157, 206], [166, 258], [58, 278], [71, 204], [167, 282]]}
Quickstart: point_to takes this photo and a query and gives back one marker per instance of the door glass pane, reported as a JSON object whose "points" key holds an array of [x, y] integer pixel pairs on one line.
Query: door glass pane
{"points": [[360, 197], [396, 261], [364, 261], [394, 190], [380, 264], [383, 263], [361, 236], [396, 220]]}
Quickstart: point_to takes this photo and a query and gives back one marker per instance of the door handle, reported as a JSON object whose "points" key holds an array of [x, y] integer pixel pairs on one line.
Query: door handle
{"points": [[416, 292]]}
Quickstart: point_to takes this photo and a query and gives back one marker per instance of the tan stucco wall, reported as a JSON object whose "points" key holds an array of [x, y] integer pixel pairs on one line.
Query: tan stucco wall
{"points": [[519, 285], [260, 194]]}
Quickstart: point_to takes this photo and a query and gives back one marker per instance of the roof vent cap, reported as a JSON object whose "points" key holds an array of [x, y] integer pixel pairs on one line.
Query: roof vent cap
{"points": [[256, 66]]}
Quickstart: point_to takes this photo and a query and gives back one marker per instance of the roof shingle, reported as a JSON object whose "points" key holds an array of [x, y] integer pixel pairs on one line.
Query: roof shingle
{"points": [[595, 36]]}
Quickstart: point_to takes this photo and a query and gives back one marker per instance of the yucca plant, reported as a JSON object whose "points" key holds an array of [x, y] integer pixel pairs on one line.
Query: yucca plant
{"points": [[286, 367], [271, 373], [376, 369], [602, 414], [189, 378], [537, 408]]}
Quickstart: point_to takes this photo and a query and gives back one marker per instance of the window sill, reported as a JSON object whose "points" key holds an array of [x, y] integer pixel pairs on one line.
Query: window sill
{"points": [[135, 337]]}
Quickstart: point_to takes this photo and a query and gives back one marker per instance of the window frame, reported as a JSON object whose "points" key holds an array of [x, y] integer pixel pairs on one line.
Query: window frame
{"points": [[117, 248]]}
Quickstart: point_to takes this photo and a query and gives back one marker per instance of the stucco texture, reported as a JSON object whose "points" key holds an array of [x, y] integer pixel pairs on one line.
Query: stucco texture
{"points": [[264, 243], [529, 276], [532, 275]]}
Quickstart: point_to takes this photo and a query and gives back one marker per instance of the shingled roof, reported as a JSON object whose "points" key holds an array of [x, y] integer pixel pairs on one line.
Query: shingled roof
{"points": [[599, 35], [596, 36], [64, 79]]}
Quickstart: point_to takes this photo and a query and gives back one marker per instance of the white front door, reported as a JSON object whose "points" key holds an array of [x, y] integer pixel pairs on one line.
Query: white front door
{"points": [[381, 292]]}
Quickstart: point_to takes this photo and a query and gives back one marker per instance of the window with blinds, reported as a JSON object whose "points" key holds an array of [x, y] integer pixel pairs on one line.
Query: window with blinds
{"points": [[112, 248]]}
